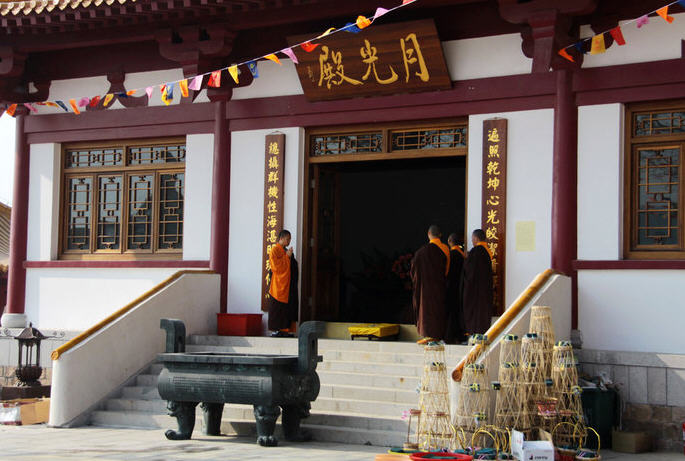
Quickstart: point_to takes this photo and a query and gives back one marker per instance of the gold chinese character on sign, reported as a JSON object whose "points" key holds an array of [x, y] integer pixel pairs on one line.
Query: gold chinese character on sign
{"points": [[493, 168], [493, 135], [271, 207], [271, 221], [333, 73], [491, 233], [273, 148], [273, 191], [369, 55], [493, 183], [493, 200], [494, 150], [411, 54], [493, 248], [492, 217], [494, 264], [273, 163], [268, 278], [272, 237], [269, 247], [267, 266], [273, 176]]}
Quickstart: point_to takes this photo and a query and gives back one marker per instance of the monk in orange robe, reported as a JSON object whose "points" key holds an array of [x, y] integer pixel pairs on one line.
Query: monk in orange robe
{"points": [[280, 291], [429, 281], [477, 286]]}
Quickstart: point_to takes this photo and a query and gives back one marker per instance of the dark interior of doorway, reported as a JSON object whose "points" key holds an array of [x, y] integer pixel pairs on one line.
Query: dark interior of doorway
{"points": [[385, 208]]}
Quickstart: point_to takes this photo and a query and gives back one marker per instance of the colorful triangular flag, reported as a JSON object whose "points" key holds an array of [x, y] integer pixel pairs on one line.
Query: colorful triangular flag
{"points": [[617, 34], [11, 109], [215, 79], [363, 22], [598, 46], [62, 105], [405, 2], [327, 32], [51, 104], [149, 91], [30, 107], [580, 46], [196, 84], [83, 102], [642, 20], [351, 27], [309, 46], [167, 91], [183, 85], [663, 12], [381, 11], [291, 54], [130, 92], [274, 58], [252, 65], [94, 101], [74, 106], [564, 54], [233, 71]]}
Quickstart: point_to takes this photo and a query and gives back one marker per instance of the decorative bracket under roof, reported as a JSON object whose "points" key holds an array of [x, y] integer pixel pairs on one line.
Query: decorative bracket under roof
{"points": [[547, 28]]}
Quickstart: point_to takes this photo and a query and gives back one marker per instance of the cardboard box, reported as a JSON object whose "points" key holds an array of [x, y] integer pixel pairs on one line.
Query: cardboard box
{"points": [[531, 450], [631, 442], [23, 412]]}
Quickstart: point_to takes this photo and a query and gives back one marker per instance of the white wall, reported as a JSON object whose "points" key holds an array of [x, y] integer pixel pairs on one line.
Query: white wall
{"points": [[632, 310], [198, 196], [600, 181], [247, 211], [656, 41], [529, 190], [467, 59], [43, 221], [274, 80]]}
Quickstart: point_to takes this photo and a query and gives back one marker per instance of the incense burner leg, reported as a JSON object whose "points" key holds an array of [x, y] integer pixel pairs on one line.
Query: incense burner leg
{"points": [[184, 412], [292, 416], [266, 417], [211, 415]]}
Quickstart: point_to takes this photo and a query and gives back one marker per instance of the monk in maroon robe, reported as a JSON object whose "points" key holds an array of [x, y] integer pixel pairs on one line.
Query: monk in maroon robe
{"points": [[453, 302], [477, 286], [428, 275]]}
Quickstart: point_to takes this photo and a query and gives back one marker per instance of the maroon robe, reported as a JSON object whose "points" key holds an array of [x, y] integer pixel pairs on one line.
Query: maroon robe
{"points": [[477, 289], [455, 315], [429, 284]]}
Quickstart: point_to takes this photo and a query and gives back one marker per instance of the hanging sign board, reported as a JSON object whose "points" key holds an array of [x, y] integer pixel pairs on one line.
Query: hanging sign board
{"points": [[273, 205], [495, 201], [379, 60]]}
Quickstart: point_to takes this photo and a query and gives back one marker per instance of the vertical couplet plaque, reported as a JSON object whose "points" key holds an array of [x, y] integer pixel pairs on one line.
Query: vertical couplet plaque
{"points": [[495, 201], [273, 204]]}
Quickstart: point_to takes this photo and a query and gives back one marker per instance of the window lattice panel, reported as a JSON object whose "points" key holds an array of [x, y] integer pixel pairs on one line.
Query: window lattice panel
{"points": [[154, 155], [658, 123], [108, 236], [419, 139], [171, 210], [78, 211], [336, 144], [83, 158], [140, 207]]}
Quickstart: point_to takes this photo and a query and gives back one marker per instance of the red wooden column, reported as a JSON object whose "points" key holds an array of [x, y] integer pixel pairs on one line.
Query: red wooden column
{"points": [[13, 316], [565, 181], [221, 194]]}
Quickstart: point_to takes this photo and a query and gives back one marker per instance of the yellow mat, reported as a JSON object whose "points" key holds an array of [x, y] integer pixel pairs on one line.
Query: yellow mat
{"points": [[374, 330]]}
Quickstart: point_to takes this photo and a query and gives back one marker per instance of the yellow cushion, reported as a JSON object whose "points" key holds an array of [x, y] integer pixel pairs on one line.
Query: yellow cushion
{"points": [[380, 330]]}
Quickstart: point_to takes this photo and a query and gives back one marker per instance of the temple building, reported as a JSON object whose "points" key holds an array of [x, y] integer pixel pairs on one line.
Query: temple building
{"points": [[461, 113]]}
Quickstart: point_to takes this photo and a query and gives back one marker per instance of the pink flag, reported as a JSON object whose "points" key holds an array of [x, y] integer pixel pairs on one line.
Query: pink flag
{"points": [[379, 12], [196, 83], [149, 91], [83, 102], [642, 20], [289, 53], [30, 107]]}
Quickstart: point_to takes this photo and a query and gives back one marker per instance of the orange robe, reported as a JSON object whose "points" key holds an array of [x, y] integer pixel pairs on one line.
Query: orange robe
{"points": [[445, 249], [280, 274]]}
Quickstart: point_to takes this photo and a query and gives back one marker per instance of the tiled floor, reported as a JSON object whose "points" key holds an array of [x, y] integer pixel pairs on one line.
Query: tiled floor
{"points": [[40, 443]]}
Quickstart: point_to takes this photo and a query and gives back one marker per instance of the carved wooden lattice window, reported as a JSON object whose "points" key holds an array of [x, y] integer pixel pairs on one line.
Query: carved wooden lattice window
{"points": [[654, 186], [126, 199]]}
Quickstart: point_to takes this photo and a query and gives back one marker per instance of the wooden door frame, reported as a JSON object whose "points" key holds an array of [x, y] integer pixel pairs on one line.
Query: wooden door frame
{"points": [[311, 169]]}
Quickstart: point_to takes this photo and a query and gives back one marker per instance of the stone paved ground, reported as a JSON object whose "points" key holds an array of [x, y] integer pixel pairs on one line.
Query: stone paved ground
{"points": [[40, 443]]}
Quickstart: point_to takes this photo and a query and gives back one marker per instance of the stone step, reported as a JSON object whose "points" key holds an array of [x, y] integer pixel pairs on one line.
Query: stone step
{"points": [[140, 393], [378, 394], [377, 369], [407, 383], [154, 369], [147, 380]]}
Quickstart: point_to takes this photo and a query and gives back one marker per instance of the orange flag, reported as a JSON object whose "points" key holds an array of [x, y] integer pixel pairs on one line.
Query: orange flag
{"points": [[363, 22], [309, 46], [233, 70], [74, 106], [663, 12], [565, 55], [183, 85], [215, 79], [274, 58], [598, 44], [618, 35], [11, 109], [130, 92]]}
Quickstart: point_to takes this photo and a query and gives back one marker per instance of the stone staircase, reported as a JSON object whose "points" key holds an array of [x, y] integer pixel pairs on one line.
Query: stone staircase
{"points": [[365, 386]]}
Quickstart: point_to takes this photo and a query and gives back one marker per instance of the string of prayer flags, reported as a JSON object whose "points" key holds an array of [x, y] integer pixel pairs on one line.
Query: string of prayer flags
{"points": [[11, 109], [289, 53], [196, 84], [617, 34], [309, 46], [351, 28], [663, 12], [642, 20], [598, 45], [183, 85], [233, 71], [252, 65], [363, 22], [580, 47], [108, 99], [74, 106], [274, 58], [214, 79]]}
